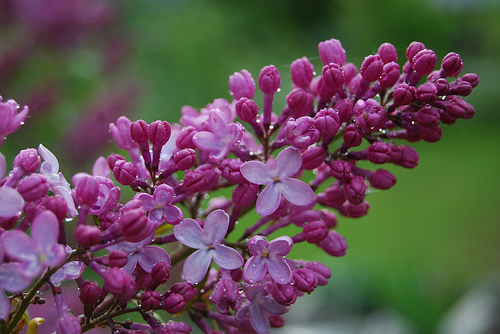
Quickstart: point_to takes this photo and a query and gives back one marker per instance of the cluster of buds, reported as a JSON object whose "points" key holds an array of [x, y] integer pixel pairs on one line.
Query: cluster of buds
{"points": [[235, 277]]}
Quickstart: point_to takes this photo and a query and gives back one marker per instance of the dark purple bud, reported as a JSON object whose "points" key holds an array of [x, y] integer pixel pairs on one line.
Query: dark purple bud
{"points": [[185, 289], [117, 258], [329, 218], [302, 72], [304, 280], [403, 94], [159, 133], [245, 194], [173, 303], [87, 190], [230, 169], [124, 172], [160, 273], [322, 89], [119, 283], [88, 236], [33, 187], [135, 225], [379, 152], [471, 78], [427, 92], [269, 79], [428, 117], [451, 65], [355, 190], [354, 211], [56, 204], [185, 138], [413, 49], [241, 84], [460, 87], [457, 107], [301, 102], [246, 109], [344, 109], [139, 131], [68, 325], [350, 71], [424, 62], [284, 294], [313, 157], [341, 170], [211, 175], [331, 51], [390, 75], [372, 68], [352, 136], [113, 158], [382, 179], [27, 160], [442, 86], [315, 231], [322, 272], [334, 244], [431, 135], [327, 121], [333, 76], [369, 115], [334, 196], [194, 181], [90, 293], [185, 159], [150, 300], [409, 157], [301, 133], [387, 53]]}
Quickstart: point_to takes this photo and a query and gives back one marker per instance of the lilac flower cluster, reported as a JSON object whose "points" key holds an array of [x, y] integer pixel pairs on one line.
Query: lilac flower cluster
{"points": [[236, 278]]}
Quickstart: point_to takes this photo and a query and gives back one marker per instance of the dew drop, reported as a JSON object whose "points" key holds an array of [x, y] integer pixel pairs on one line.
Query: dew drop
{"points": [[278, 90]]}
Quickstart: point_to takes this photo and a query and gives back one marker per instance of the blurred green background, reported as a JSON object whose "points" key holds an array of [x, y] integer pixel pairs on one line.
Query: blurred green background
{"points": [[423, 244]]}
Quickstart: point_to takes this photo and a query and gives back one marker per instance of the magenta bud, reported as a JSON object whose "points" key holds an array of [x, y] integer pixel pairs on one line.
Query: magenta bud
{"points": [[379, 152], [428, 117], [241, 84], [185, 289], [451, 65], [68, 325], [322, 272], [315, 231], [117, 258], [352, 136], [284, 294], [27, 160], [387, 53], [139, 131], [331, 51], [355, 190], [403, 94], [57, 204], [90, 292], [124, 172], [119, 283], [160, 272], [442, 86], [300, 101], [185, 138], [344, 109], [457, 107], [382, 179], [304, 280], [150, 300], [185, 159], [173, 303], [159, 133], [269, 79], [460, 87], [194, 181], [409, 157], [87, 190], [369, 115], [427, 92], [33, 187], [333, 76], [245, 194], [413, 49], [327, 121], [301, 133], [88, 236], [341, 170], [302, 72], [135, 225], [313, 157], [431, 135], [113, 158], [390, 74], [230, 169], [350, 71], [334, 244], [246, 109], [471, 78], [372, 68], [334, 196], [424, 62]]}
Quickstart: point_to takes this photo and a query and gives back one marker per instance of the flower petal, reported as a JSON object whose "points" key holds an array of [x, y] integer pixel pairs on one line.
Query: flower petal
{"points": [[256, 172], [216, 225], [163, 194], [279, 269], [4, 305], [259, 319], [189, 233], [45, 230], [288, 162], [11, 202], [50, 164], [272, 306], [226, 257], [3, 166], [207, 141], [11, 280], [172, 214], [296, 191], [19, 246], [196, 266], [151, 255], [268, 200], [218, 123], [281, 246], [255, 269], [147, 201]]}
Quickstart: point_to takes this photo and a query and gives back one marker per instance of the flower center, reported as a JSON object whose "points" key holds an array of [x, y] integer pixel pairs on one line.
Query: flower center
{"points": [[265, 253], [276, 179]]}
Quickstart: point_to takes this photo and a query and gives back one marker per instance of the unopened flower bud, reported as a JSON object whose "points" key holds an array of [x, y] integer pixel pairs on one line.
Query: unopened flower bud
{"points": [[355, 211], [413, 49], [301, 102], [269, 79], [135, 225], [344, 109], [424, 62], [246, 109], [194, 181], [68, 325], [334, 196], [331, 51], [451, 65], [355, 190], [460, 87], [185, 138], [87, 190], [403, 94], [276, 321], [159, 133], [341, 170], [471, 78], [442, 86], [90, 293], [327, 121], [334, 244], [117, 258], [88, 236], [33, 187], [160, 273], [431, 135], [315, 231], [302, 72], [379, 152], [352, 136], [119, 283], [185, 159], [185, 289], [57, 204], [333, 76], [301, 133], [245, 194], [241, 84], [304, 280], [284, 294], [409, 157], [427, 92], [150, 300], [427, 116], [382, 179], [173, 303], [313, 157], [124, 172], [390, 74], [139, 131], [322, 272], [387, 53], [27, 160], [372, 68]]}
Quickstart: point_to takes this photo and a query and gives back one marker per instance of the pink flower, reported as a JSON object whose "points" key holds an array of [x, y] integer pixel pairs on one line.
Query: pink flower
{"points": [[160, 206]]}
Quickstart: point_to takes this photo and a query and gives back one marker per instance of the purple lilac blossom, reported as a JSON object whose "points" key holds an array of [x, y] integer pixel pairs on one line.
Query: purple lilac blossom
{"points": [[11, 118], [279, 181], [11, 202], [159, 205], [208, 242]]}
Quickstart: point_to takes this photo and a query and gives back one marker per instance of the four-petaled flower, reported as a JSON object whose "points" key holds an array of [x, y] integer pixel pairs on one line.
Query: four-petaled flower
{"points": [[208, 243], [221, 137], [10, 280], [39, 251], [279, 181], [268, 257], [160, 206]]}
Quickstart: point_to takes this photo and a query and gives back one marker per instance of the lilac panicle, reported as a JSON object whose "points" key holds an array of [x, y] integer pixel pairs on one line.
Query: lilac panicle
{"points": [[279, 181], [207, 241]]}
